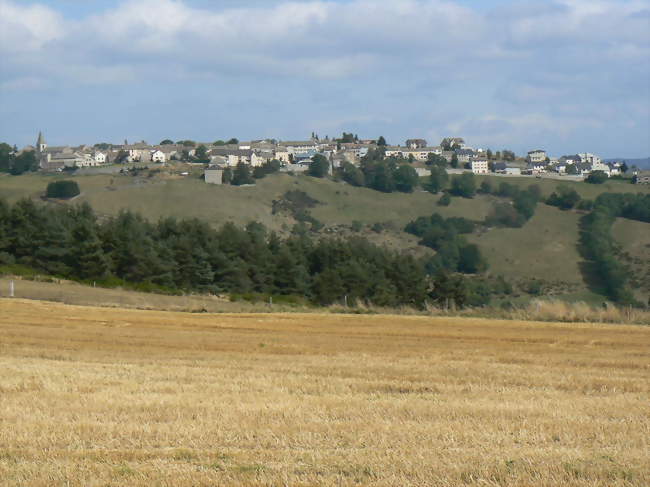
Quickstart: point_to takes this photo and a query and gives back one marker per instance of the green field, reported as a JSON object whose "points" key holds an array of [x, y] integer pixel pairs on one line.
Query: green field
{"points": [[544, 249]]}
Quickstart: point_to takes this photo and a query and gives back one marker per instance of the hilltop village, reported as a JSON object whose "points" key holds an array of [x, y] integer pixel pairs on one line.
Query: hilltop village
{"points": [[298, 156]]}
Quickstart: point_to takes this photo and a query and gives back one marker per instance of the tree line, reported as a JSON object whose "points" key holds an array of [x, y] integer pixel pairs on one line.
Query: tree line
{"points": [[598, 247], [189, 255]]}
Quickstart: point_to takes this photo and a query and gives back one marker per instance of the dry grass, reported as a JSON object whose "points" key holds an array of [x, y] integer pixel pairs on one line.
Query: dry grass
{"points": [[95, 396]]}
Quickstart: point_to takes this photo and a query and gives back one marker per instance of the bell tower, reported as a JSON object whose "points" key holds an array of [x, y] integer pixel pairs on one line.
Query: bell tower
{"points": [[41, 145]]}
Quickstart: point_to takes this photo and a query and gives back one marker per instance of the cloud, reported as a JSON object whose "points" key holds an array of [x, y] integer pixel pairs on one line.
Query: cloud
{"points": [[28, 28], [535, 68]]}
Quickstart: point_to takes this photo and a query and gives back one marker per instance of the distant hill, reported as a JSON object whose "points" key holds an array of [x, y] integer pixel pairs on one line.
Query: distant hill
{"points": [[640, 163], [543, 250]]}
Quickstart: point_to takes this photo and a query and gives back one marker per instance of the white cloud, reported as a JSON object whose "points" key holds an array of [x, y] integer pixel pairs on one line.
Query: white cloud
{"points": [[28, 28], [564, 63], [325, 39]]}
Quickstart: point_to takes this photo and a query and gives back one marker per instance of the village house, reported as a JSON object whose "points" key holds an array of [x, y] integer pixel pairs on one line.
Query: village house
{"points": [[642, 177], [158, 156], [416, 143], [464, 155], [300, 147], [480, 166], [538, 155], [589, 158], [357, 150], [615, 168], [213, 175], [282, 154], [236, 156], [538, 167], [451, 143]]}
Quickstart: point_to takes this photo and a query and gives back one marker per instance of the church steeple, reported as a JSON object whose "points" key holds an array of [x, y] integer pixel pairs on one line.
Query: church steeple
{"points": [[41, 145]]}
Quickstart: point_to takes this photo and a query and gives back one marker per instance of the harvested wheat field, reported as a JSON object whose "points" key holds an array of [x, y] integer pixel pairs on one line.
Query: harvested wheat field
{"points": [[98, 397]]}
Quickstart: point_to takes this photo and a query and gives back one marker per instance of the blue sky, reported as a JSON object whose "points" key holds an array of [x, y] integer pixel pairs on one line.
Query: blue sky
{"points": [[565, 75]]}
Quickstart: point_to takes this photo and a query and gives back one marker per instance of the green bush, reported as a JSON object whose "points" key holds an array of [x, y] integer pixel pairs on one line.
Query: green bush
{"points": [[62, 189]]}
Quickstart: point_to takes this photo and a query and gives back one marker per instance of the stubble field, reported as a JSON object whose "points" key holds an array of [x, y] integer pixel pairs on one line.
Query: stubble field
{"points": [[92, 396]]}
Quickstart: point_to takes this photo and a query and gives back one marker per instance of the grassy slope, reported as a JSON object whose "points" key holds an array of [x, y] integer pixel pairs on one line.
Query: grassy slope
{"points": [[544, 248]]}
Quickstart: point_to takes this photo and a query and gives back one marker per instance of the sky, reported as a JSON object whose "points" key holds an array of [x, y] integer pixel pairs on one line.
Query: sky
{"points": [[567, 76]]}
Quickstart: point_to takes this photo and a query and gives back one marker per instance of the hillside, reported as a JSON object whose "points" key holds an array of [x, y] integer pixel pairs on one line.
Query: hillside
{"points": [[543, 250]]}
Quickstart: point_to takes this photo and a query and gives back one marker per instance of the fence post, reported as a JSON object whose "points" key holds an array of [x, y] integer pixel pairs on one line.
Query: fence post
{"points": [[11, 289], [346, 300]]}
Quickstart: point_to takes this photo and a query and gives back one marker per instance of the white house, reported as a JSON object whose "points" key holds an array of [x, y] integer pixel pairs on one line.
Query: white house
{"points": [[158, 156], [590, 158], [480, 166], [99, 157], [599, 166], [537, 155]]}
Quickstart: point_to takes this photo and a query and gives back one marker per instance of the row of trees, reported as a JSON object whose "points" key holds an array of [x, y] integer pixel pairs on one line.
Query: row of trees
{"points": [[189, 255], [599, 248]]}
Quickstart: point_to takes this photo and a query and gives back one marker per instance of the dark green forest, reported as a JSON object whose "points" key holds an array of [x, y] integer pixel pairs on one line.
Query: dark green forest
{"points": [[190, 256]]}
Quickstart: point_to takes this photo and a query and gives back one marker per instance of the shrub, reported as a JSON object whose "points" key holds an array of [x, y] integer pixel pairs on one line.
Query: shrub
{"points": [[445, 200], [62, 189], [596, 177], [463, 185]]}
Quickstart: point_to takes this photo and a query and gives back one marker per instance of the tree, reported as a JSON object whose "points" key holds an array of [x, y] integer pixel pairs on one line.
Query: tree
{"points": [[490, 155], [87, 258], [564, 198], [485, 187], [436, 160], [319, 166], [186, 143], [201, 155], [328, 287], [346, 138], [166, 142], [25, 162], [62, 189], [445, 200], [6, 157], [470, 260], [233, 141], [454, 161], [406, 178], [269, 167], [596, 177], [624, 168], [381, 141], [122, 157], [508, 155], [351, 174], [380, 175], [463, 185], [437, 180], [449, 290], [571, 169], [242, 175], [226, 178]]}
